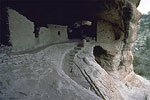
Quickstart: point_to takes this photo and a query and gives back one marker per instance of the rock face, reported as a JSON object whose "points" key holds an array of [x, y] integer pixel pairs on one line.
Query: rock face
{"points": [[85, 69]]}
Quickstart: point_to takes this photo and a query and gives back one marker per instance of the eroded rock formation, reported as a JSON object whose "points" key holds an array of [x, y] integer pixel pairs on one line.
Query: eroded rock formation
{"points": [[95, 68]]}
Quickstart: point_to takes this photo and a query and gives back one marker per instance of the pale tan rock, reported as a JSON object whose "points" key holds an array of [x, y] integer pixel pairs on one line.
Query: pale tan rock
{"points": [[127, 58], [132, 36], [105, 32], [128, 46], [137, 15]]}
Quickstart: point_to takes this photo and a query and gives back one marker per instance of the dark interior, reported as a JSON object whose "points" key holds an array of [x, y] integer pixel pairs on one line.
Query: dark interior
{"points": [[82, 31], [43, 12], [98, 51]]}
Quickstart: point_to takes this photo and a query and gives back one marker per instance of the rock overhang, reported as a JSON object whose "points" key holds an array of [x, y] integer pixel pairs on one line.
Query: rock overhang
{"points": [[65, 11]]}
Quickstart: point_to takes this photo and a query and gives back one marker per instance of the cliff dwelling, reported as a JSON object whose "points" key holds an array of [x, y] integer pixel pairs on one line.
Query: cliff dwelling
{"points": [[69, 50], [41, 14]]}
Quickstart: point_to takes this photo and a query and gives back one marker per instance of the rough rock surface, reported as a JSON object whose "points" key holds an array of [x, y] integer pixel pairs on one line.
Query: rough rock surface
{"points": [[80, 70], [40, 77]]}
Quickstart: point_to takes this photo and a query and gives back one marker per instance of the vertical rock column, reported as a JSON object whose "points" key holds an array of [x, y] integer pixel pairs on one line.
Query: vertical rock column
{"points": [[127, 57]]}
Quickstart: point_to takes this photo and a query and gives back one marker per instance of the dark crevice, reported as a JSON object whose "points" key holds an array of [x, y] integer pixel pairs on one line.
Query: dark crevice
{"points": [[59, 33], [4, 26], [36, 31], [98, 53], [117, 31], [127, 17]]}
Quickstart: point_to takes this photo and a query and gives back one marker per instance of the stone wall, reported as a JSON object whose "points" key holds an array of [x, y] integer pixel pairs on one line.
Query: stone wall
{"points": [[21, 30], [52, 34], [59, 32], [22, 36]]}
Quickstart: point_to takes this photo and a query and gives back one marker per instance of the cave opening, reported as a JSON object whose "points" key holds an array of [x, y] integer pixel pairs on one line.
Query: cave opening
{"points": [[36, 31], [81, 30], [59, 33], [98, 52]]}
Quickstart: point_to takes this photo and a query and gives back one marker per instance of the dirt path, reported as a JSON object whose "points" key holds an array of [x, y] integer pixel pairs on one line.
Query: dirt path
{"points": [[38, 49]]}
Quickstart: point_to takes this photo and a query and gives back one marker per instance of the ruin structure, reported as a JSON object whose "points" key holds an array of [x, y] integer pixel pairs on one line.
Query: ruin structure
{"points": [[70, 50]]}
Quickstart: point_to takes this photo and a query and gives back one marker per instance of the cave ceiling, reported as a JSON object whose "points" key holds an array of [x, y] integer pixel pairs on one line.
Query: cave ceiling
{"points": [[56, 12]]}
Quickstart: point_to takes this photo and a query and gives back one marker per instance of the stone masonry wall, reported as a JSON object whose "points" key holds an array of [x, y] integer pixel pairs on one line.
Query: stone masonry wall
{"points": [[22, 36], [21, 30]]}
